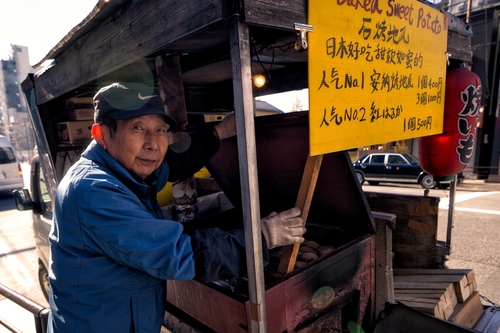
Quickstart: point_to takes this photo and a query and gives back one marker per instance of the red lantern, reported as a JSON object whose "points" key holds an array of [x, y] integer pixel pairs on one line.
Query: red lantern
{"points": [[449, 153]]}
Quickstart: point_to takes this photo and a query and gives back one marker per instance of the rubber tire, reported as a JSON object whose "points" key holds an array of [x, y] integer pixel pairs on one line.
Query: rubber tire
{"points": [[361, 177], [428, 182], [43, 279]]}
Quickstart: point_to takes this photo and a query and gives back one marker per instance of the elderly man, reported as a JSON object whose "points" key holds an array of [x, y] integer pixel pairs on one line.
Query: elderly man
{"points": [[111, 248]]}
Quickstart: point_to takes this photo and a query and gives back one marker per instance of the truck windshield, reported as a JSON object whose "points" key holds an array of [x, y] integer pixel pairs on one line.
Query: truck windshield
{"points": [[7, 155]]}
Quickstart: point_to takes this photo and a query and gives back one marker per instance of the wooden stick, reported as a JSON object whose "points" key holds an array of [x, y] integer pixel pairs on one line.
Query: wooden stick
{"points": [[304, 198]]}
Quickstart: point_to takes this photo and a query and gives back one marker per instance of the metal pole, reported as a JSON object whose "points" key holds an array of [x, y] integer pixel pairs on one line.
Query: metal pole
{"points": [[469, 9], [245, 126], [40, 314], [451, 207]]}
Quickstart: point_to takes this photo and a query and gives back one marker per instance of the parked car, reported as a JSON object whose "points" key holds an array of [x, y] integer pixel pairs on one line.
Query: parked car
{"points": [[11, 174], [395, 168]]}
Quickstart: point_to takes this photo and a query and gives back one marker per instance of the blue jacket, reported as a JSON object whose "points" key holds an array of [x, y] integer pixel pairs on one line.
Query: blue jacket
{"points": [[112, 249]]}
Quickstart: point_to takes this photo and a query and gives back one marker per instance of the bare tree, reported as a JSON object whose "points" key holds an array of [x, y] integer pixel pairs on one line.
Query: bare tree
{"points": [[297, 105]]}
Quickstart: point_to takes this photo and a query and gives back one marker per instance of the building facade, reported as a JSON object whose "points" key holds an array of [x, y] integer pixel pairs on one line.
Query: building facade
{"points": [[15, 123]]}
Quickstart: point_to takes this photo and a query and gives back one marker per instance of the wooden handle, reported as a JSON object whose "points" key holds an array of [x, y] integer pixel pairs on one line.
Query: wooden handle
{"points": [[304, 198]]}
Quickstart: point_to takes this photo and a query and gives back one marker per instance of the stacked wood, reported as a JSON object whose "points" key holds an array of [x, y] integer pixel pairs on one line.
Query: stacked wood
{"points": [[414, 237], [449, 294]]}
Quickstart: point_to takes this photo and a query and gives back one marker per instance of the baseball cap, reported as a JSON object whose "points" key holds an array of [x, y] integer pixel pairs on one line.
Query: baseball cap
{"points": [[128, 100]]}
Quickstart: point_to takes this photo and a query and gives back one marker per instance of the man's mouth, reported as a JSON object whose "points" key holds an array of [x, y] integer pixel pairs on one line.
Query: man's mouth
{"points": [[147, 160]]}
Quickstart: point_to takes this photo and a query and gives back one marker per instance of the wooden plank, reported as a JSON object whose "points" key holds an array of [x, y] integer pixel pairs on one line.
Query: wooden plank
{"points": [[459, 46], [422, 290], [418, 292], [441, 299], [435, 296], [428, 293], [429, 308], [468, 313], [384, 279], [304, 198], [275, 13], [448, 294], [427, 271], [469, 273], [461, 279], [446, 289], [416, 285], [444, 305], [459, 282]]}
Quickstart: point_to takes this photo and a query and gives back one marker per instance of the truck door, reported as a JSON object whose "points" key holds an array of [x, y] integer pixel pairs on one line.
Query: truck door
{"points": [[42, 222]]}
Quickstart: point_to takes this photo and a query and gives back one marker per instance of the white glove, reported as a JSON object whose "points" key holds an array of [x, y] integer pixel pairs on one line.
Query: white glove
{"points": [[285, 228], [227, 127]]}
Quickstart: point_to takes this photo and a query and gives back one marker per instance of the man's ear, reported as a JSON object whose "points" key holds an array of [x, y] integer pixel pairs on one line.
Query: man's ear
{"points": [[97, 133]]}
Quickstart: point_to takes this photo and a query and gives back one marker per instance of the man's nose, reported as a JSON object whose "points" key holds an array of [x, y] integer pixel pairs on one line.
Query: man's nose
{"points": [[151, 142]]}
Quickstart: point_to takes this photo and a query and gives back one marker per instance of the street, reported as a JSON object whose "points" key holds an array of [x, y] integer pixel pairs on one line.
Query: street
{"points": [[18, 260], [475, 232], [474, 240]]}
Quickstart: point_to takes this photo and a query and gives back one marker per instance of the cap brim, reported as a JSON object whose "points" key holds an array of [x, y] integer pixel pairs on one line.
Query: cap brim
{"points": [[129, 114]]}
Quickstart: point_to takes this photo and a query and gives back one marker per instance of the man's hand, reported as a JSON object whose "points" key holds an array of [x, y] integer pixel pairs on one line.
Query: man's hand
{"points": [[227, 127], [284, 228]]}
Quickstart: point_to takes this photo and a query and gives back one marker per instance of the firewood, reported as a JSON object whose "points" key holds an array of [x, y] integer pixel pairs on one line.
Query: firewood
{"points": [[468, 313]]}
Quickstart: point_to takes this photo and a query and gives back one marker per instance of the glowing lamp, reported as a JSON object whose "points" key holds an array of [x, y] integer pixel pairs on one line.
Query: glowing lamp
{"points": [[259, 80]]}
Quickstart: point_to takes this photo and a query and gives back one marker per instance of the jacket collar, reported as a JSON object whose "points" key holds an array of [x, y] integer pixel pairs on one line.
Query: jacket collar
{"points": [[99, 155]]}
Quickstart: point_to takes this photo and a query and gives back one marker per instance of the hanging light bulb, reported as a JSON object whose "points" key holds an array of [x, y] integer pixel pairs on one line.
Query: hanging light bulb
{"points": [[259, 80]]}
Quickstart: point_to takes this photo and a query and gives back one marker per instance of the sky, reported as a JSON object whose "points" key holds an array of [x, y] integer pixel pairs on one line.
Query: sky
{"points": [[41, 24]]}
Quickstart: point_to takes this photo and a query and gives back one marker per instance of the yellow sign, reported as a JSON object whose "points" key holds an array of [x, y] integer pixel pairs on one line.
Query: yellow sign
{"points": [[377, 72]]}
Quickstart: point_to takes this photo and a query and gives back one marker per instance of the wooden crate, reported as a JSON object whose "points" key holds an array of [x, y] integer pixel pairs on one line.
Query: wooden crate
{"points": [[414, 239]]}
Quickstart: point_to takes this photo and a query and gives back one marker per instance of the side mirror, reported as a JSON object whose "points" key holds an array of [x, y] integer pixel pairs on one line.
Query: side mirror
{"points": [[23, 199]]}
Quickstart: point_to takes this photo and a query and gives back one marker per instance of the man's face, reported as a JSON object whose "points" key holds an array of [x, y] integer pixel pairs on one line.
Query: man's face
{"points": [[139, 144]]}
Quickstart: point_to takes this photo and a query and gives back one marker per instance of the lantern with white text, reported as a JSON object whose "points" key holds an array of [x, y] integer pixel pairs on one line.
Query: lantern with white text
{"points": [[448, 154]]}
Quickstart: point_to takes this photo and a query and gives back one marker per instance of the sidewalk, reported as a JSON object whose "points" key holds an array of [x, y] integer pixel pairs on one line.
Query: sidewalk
{"points": [[477, 185], [15, 315]]}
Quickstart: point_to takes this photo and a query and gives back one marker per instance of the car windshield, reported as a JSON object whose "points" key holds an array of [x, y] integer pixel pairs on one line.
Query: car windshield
{"points": [[411, 158]]}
